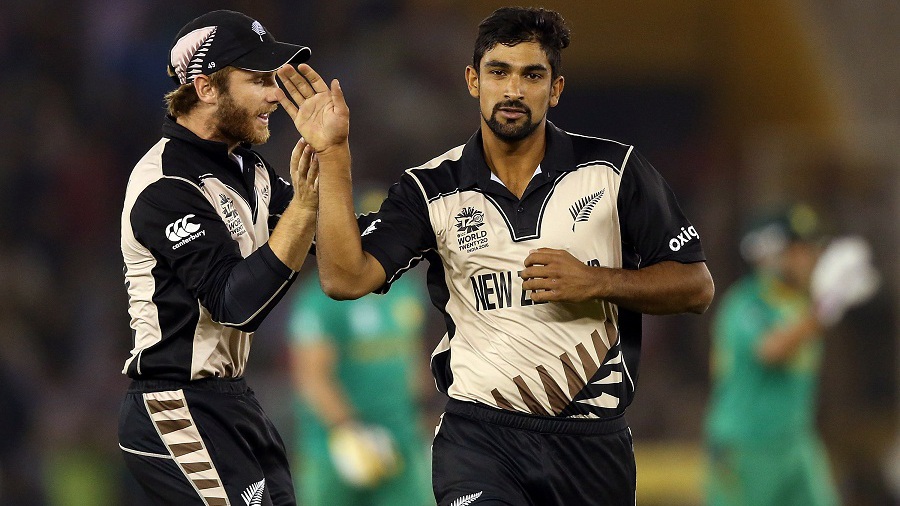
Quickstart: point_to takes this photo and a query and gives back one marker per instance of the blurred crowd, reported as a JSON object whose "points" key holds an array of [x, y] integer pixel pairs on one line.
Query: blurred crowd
{"points": [[81, 100]]}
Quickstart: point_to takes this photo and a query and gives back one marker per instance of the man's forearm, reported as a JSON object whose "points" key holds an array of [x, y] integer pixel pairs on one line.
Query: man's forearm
{"points": [[341, 260], [293, 236], [663, 288]]}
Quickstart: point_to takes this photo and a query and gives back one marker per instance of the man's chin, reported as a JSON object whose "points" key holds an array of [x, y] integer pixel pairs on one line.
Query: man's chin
{"points": [[260, 137]]}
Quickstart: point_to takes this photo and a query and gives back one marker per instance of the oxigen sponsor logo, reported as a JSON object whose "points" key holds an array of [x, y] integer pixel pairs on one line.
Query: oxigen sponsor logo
{"points": [[685, 236]]}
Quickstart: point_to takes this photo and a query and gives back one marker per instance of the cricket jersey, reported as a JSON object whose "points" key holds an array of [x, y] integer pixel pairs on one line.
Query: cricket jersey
{"points": [[597, 199], [199, 272]]}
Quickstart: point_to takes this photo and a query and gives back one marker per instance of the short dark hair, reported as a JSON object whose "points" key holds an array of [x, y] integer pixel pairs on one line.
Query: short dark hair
{"points": [[512, 25], [183, 99]]}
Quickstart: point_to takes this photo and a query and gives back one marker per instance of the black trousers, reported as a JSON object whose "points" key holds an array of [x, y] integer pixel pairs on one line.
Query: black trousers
{"points": [[205, 442], [487, 456]]}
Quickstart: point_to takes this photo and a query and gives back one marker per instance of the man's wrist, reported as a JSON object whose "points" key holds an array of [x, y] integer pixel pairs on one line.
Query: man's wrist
{"points": [[599, 277], [337, 151]]}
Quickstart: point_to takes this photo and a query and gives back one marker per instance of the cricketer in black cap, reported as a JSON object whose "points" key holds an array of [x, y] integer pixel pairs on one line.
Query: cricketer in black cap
{"points": [[221, 38], [212, 239]]}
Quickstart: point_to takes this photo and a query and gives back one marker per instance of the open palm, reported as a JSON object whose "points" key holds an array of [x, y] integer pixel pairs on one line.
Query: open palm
{"points": [[320, 115]]}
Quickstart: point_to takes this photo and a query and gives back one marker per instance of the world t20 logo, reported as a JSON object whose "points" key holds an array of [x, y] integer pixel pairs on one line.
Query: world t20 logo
{"points": [[469, 220], [468, 223]]}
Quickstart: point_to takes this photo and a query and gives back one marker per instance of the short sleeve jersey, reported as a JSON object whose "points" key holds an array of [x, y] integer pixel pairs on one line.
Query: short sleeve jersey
{"points": [[597, 199]]}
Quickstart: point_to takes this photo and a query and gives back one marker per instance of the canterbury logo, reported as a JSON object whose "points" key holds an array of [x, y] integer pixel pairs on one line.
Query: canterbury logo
{"points": [[581, 210], [181, 229], [253, 495], [466, 500]]}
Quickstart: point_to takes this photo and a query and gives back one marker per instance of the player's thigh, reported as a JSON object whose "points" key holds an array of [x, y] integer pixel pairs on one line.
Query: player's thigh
{"points": [[162, 480], [189, 438], [580, 468], [465, 467]]}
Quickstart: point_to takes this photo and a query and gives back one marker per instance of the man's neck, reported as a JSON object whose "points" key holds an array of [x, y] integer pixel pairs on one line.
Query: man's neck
{"points": [[514, 162], [203, 126]]}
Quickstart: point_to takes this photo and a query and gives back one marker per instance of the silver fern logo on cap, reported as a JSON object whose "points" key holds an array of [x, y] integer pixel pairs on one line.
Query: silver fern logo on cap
{"points": [[189, 53], [258, 28]]}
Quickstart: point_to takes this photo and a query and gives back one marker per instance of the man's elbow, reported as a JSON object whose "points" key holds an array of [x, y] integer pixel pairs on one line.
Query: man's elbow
{"points": [[341, 290], [702, 297]]}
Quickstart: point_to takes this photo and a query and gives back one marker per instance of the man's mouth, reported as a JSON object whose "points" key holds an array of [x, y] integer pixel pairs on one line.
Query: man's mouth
{"points": [[511, 112], [264, 117]]}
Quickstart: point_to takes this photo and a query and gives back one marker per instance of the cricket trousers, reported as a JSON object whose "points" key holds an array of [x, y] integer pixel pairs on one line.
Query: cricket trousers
{"points": [[205, 442]]}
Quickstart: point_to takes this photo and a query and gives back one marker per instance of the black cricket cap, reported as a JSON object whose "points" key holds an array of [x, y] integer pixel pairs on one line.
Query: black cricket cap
{"points": [[221, 38]]}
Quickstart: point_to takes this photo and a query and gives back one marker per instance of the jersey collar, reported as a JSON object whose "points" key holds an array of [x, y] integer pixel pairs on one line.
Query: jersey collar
{"points": [[557, 158], [173, 130]]}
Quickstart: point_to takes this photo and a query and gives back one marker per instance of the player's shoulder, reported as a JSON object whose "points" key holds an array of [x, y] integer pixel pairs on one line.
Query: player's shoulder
{"points": [[590, 150], [439, 176], [156, 175]]}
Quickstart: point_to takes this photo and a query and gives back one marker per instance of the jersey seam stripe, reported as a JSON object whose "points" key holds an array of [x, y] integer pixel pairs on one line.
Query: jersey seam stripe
{"points": [[598, 138], [442, 195], [627, 156], [188, 181], [265, 305], [408, 266], [603, 163], [145, 454]]}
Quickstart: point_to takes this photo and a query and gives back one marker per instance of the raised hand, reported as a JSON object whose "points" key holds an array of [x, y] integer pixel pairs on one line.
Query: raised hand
{"points": [[305, 175], [320, 115]]}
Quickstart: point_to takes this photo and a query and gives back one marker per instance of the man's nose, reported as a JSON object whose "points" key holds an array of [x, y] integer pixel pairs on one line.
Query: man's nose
{"points": [[513, 88]]}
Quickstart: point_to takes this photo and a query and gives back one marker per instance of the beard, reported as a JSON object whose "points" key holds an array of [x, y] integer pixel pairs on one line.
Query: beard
{"points": [[238, 124], [510, 131]]}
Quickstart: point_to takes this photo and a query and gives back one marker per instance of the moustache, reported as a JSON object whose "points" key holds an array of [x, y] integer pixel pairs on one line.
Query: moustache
{"points": [[267, 110], [512, 104]]}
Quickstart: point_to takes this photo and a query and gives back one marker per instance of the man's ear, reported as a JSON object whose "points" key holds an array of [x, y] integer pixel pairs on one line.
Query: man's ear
{"points": [[556, 90], [472, 80], [205, 90]]}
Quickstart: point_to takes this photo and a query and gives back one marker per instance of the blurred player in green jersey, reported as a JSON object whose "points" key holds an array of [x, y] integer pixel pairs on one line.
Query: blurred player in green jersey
{"points": [[360, 440], [766, 354]]}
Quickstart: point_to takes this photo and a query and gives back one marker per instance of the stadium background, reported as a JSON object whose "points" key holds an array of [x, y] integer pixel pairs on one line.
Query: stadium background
{"points": [[738, 104]]}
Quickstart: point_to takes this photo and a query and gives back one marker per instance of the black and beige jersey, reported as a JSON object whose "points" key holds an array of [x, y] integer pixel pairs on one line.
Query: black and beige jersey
{"points": [[199, 273], [599, 200]]}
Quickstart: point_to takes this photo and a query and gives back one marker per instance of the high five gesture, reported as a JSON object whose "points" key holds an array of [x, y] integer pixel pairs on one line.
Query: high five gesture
{"points": [[320, 113]]}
